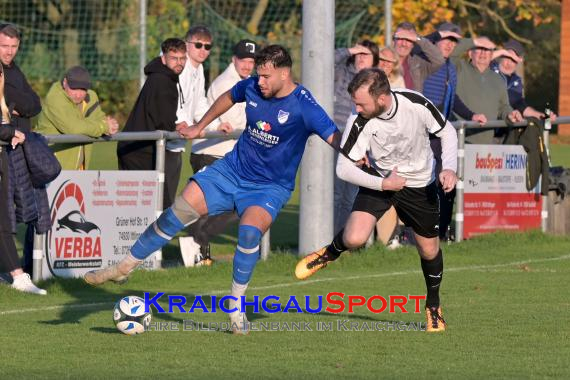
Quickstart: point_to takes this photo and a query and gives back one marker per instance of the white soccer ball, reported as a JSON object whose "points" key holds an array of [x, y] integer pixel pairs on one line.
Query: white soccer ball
{"points": [[129, 315]]}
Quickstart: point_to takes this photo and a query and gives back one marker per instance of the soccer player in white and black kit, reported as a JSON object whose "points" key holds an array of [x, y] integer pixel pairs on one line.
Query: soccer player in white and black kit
{"points": [[393, 127]]}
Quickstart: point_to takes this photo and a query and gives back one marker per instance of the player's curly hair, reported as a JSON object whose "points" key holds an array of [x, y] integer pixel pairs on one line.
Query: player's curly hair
{"points": [[374, 78], [276, 55]]}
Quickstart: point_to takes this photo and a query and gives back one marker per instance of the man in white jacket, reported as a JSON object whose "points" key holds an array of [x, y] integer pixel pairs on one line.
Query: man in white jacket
{"points": [[192, 103], [195, 248]]}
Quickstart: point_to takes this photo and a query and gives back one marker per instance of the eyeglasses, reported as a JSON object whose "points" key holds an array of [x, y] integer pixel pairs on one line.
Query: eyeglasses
{"points": [[199, 45]]}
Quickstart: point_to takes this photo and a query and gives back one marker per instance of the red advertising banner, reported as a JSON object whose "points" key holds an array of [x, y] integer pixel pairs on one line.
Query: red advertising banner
{"points": [[496, 197]]}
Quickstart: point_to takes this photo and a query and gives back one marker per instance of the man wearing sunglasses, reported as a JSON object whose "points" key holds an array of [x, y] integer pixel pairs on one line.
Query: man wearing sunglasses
{"points": [[195, 248], [192, 99]]}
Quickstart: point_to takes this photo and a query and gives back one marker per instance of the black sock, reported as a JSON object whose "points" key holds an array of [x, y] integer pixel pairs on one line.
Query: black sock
{"points": [[433, 273], [337, 246]]}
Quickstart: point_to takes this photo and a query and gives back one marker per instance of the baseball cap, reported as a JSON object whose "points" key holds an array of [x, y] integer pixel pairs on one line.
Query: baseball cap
{"points": [[450, 30], [515, 46], [245, 49], [78, 77]]}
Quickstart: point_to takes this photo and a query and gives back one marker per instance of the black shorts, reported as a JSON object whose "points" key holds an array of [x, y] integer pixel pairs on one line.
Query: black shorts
{"points": [[418, 207]]}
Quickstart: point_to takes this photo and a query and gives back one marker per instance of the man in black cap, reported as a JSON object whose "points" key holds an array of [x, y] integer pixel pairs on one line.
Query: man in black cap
{"points": [[195, 248], [506, 61], [72, 107]]}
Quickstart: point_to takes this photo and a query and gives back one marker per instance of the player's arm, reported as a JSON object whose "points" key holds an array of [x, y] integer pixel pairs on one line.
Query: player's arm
{"points": [[334, 140], [220, 106], [448, 176]]}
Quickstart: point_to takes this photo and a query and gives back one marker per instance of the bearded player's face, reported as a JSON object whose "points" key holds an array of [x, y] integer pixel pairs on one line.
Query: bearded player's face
{"points": [[271, 79], [366, 105]]}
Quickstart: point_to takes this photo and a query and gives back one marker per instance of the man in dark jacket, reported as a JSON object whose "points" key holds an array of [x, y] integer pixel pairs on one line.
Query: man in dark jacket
{"points": [[23, 104], [22, 101], [155, 109]]}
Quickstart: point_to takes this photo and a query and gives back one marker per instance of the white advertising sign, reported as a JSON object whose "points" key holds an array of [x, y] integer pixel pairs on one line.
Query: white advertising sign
{"points": [[96, 218]]}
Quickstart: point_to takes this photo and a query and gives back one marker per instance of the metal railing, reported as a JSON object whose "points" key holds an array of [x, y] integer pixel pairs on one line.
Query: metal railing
{"points": [[461, 127], [160, 138]]}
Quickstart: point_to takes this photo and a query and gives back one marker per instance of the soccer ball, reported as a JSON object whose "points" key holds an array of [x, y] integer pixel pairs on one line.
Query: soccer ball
{"points": [[129, 315]]}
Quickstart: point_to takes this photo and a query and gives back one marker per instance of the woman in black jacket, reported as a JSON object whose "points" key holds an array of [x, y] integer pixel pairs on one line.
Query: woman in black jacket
{"points": [[9, 261]]}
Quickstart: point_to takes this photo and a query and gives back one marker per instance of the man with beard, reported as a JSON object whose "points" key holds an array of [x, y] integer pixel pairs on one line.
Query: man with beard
{"points": [[155, 109], [393, 127], [256, 178]]}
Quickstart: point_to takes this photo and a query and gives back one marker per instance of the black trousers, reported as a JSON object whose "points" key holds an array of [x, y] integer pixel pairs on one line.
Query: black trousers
{"points": [[446, 200], [8, 255], [146, 160]]}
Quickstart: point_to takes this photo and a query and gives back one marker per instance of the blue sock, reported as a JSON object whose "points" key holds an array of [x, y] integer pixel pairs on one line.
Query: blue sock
{"points": [[157, 235], [247, 253]]}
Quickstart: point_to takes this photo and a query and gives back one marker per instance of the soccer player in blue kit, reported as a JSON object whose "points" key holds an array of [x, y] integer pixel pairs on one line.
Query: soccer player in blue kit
{"points": [[256, 178]]}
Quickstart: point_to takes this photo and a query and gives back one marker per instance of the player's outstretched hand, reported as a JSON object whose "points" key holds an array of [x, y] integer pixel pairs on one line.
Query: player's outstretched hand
{"points": [[393, 182], [448, 179], [191, 132]]}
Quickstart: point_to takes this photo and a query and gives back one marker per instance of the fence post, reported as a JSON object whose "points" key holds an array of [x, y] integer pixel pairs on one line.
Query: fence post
{"points": [[142, 41], [546, 139], [317, 167], [160, 158], [265, 245], [38, 256], [459, 216]]}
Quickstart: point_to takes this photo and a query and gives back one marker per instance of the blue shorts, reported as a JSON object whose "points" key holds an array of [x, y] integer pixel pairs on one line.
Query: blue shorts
{"points": [[225, 191]]}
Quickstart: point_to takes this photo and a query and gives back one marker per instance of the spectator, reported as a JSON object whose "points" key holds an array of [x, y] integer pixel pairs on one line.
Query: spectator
{"points": [[71, 107], [481, 89], [193, 102], [206, 152], [505, 64], [348, 62], [9, 261], [390, 64], [155, 109], [419, 58], [23, 104], [440, 88]]}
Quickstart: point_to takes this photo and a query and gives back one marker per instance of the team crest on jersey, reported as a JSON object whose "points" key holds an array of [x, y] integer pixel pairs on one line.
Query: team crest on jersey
{"points": [[263, 126], [282, 116]]}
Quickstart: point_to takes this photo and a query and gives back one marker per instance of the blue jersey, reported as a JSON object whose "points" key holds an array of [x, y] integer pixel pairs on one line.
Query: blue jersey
{"points": [[272, 144]]}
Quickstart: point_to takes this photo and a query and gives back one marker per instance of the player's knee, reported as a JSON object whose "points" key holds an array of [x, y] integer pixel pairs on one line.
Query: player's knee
{"points": [[353, 239], [428, 248], [248, 238], [184, 211]]}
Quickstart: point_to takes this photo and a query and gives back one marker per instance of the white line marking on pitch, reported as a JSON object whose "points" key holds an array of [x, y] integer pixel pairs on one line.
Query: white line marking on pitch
{"points": [[299, 283]]}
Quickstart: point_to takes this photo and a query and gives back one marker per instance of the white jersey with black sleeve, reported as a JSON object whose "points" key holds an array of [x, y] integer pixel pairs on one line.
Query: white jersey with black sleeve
{"points": [[398, 138]]}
